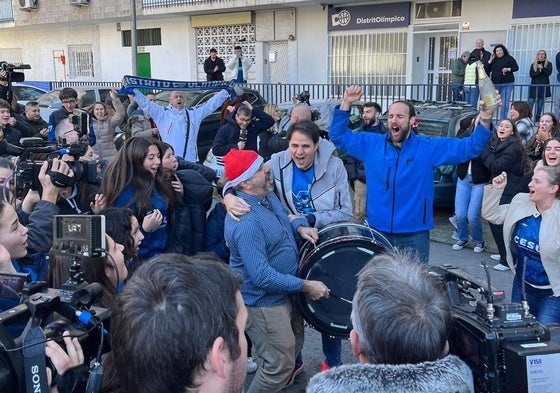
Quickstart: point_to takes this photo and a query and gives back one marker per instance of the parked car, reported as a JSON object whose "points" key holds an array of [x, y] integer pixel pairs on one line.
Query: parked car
{"points": [[210, 125], [437, 119], [49, 102], [26, 93]]}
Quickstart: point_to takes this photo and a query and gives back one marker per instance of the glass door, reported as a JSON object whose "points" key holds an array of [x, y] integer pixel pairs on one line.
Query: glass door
{"points": [[442, 50]]}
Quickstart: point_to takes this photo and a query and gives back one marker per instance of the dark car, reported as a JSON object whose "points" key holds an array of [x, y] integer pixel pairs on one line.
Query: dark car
{"points": [[210, 125], [437, 119]]}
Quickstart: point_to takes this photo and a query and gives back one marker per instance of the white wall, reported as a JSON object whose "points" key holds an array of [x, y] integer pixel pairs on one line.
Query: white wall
{"points": [[311, 41]]}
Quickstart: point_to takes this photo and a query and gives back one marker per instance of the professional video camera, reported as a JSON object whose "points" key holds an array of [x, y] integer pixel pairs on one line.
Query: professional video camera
{"points": [[12, 76], [303, 98], [22, 359], [507, 349], [36, 151]]}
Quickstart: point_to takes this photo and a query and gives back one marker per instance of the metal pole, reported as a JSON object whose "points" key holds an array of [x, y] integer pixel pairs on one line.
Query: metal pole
{"points": [[133, 42]]}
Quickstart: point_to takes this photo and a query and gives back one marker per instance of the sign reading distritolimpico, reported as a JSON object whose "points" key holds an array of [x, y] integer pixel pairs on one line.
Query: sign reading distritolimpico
{"points": [[369, 16]]}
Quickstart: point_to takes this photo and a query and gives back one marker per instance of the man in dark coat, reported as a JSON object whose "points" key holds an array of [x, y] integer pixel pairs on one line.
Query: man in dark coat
{"points": [[214, 67]]}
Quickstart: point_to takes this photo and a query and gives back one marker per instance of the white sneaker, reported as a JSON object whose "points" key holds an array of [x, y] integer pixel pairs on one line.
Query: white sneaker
{"points": [[495, 257], [453, 221], [478, 247], [251, 365], [460, 245], [501, 268]]}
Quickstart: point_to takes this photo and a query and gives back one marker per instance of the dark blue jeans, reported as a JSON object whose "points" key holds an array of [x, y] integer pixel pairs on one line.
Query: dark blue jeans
{"points": [[418, 242], [332, 347], [542, 304]]}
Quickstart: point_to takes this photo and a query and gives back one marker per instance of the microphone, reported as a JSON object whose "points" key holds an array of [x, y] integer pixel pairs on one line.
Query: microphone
{"points": [[7, 149]]}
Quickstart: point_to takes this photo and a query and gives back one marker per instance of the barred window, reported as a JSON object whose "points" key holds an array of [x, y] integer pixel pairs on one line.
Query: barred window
{"points": [[80, 61], [145, 37], [12, 55], [368, 58], [6, 11]]}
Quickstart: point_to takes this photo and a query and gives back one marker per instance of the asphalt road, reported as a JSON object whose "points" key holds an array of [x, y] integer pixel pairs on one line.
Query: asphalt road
{"points": [[464, 262]]}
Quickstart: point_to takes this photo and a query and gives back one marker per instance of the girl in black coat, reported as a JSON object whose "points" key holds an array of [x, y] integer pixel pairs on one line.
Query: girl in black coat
{"points": [[501, 67], [505, 154]]}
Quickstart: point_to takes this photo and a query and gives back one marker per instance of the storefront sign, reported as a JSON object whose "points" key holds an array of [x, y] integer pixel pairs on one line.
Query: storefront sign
{"points": [[535, 8], [369, 16]]}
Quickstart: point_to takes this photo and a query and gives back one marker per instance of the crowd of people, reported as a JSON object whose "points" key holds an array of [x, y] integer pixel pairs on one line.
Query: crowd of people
{"points": [[202, 284]]}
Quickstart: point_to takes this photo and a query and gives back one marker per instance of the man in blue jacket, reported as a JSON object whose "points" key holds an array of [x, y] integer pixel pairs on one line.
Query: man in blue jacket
{"points": [[399, 168]]}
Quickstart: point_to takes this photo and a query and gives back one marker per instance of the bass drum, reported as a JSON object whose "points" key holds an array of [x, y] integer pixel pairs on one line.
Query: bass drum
{"points": [[337, 257]]}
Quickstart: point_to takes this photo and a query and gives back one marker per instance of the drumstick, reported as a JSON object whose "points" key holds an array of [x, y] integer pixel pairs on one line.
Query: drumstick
{"points": [[340, 298]]}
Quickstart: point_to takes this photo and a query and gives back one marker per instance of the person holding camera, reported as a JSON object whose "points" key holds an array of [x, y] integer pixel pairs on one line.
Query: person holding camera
{"points": [[62, 121], [239, 66], [401, 318], [242, 127]]}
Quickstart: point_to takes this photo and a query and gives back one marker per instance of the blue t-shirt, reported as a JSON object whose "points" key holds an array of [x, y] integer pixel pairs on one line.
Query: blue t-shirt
{"points": [[301, 189], [526, 242]]}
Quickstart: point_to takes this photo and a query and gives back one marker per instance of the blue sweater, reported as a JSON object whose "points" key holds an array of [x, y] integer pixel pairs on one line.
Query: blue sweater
{"points": [[400, 187], [154, 242], [264, 252]]}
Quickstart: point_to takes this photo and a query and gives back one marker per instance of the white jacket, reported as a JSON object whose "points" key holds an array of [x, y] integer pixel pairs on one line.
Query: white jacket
{"points": [[233, 66]]}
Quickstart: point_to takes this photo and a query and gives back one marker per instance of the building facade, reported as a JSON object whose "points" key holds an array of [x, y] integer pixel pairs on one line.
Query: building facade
{"points": [[288, 41]]}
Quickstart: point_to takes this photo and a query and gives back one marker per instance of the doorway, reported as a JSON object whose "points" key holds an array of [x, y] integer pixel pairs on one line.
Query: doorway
{"points": [[276, 56], [143, 65], [441, 52]]}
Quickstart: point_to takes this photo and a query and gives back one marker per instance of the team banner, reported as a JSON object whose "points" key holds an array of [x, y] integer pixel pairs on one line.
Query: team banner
{"points": [[139, 82]]}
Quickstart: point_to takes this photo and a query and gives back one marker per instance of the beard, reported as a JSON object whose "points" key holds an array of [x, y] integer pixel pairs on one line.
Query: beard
{"points": [[236, 382]]}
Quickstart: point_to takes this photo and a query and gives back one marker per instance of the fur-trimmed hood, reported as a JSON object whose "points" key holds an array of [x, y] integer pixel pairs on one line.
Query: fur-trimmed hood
{"points": [[447, 375]]}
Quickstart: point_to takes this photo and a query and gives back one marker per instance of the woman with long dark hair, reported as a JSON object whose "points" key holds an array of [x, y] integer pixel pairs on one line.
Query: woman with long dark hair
{"points": [[134, 180]]}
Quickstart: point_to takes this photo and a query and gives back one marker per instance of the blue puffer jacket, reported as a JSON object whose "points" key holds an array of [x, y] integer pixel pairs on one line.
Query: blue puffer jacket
{"points": [[400, 189]]}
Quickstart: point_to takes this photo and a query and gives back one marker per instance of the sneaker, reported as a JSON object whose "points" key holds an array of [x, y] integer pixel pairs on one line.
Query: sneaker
{"points": [[460, 245], [501, 268], [455, 236], [324, 366], [298, 368], [495, 257], [453, 221], [251, 365], [478, 247]]}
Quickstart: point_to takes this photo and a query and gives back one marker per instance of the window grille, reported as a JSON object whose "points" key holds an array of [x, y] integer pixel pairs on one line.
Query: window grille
{"points": [[12, 55], [368, 58], [80, 61], [526, 40], [6, 11], [145, 37]]}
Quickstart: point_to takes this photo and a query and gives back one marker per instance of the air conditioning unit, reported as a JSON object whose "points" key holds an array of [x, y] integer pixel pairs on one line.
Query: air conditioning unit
{"points": [[27, 5], [80, 3], [439, 10]]}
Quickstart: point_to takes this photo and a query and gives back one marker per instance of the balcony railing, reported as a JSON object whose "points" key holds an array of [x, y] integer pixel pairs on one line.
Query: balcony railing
{"points": [[384, 95]]}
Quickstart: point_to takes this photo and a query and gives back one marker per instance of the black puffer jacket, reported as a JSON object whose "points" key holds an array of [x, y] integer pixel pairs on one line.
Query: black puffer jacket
{"points": [[479, 172], [187, 233]]}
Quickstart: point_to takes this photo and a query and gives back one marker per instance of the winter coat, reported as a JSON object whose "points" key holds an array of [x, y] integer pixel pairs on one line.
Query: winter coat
{"points": [[104, 129], [228, 134], [505, 156], [521, 207], [447, 375], [329, 191], [400, 181], [479, 173], [494, 69], [457, 71], [540, 77], [187, 234]]}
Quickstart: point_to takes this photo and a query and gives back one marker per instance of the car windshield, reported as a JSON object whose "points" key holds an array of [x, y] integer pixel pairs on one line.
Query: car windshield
{"points": [[190, 97], [27, 93], [432, 127], [50, 99]]}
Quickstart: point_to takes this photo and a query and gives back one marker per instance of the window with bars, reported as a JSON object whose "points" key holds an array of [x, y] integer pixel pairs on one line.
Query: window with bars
{"points": [[145, 37], [6, 11], [368, 58], [12, 55], [526, 40], [80, 61]]}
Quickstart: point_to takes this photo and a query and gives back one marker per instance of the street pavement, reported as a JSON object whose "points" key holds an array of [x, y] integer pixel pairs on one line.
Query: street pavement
{"points": [[466, 262]]}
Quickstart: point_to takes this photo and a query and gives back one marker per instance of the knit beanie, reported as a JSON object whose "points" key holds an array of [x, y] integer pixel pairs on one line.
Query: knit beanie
{"points": [[240, 165]]}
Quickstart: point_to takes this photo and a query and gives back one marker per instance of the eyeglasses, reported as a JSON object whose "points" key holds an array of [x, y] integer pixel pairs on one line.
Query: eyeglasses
{"points": [[68, 101]]}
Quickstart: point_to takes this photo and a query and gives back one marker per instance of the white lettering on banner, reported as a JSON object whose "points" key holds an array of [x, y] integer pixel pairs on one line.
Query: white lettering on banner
{"points": [[380, 19]]}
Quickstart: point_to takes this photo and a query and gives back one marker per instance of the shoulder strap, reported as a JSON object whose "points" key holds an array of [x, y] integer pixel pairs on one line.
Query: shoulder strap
{"points": [[187, 131]]}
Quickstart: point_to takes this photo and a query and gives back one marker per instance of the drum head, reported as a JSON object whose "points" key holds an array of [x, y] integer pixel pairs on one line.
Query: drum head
{"points": [[337, 265]]}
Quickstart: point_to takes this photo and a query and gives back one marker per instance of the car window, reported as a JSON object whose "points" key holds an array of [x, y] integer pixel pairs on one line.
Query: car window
{"points": [[26, 93], [50, 99], [433, 128], [88, 98]]}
